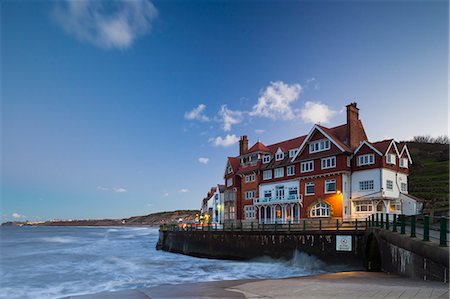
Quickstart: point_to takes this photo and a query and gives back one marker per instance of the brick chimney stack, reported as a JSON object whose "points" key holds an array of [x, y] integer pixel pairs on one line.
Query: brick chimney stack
{"points": [[353, 131], [243, 145]]}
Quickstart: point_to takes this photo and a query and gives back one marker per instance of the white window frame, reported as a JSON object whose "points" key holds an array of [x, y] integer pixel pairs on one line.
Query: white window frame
{"points": [[249, 212], [367, 204], [324, 162], [404, 162], [267, 174], [293, 152], [390, 159], [309, 184], [267, 192], [327, 182], [290, 190], [290, 170], [367, 185], [279, 156], [389, 185], [229, 169], [307, 166], [266, 159], [320, 209], [250, 194], [367, 159], [319, 146], [404, 187], [229, 182], [280, 172], [250, 178]]}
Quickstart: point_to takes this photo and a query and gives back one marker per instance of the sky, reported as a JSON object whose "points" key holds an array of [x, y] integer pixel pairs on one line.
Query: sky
{"points": [[115, 109]]}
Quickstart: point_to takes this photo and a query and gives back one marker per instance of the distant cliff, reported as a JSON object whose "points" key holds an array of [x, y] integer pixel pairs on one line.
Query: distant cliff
{"points": [[154, 219]]}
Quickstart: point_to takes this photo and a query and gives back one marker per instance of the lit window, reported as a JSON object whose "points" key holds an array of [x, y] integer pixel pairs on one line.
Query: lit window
{"points": [[404, 163], [404, 187], [390, 159], [319, 146], [366, 159], [266, 159], [309, 188], [366, 185], [267, 174], [364, 206], [389, 185], [292, 152], [330, 186], [329, 162], [291, 170], [249, 178], [229, 182], [307, 166], [395, 206], [279, 172], [320, 210]]}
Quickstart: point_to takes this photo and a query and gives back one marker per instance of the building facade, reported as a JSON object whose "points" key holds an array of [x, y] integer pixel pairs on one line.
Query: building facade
{"points": [[330, 172]]}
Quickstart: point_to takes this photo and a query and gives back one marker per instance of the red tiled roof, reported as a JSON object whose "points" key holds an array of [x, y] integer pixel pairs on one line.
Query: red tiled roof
{"points": [[258, 147], [287, 144], [382, 146], [340, 131], [235, 162]]}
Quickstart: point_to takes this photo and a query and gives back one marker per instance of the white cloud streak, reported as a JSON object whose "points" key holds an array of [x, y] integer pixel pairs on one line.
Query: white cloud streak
{"points": [[316, 112], [106, 24], [197, 113], [203, 160], [227, 141], [102, 188], [119, 190], [229, 117], [184, 190], [17, 216], [276, 100]]}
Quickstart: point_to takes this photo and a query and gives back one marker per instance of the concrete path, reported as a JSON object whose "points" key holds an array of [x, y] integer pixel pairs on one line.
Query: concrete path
{"points": [[337, 285]]}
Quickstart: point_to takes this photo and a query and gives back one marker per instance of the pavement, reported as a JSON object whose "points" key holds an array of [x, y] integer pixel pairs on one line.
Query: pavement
{"points": [[336, 285]]}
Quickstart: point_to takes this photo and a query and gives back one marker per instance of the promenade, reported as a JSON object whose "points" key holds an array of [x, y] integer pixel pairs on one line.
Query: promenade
{"points": [[335, 285]]}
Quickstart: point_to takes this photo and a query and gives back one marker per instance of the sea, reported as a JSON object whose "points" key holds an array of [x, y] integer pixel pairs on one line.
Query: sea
{"points": [[54, 262]]}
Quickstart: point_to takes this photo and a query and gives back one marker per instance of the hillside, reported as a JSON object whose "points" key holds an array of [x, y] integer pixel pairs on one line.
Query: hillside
{"points": [[154, 219], [429, 177]]}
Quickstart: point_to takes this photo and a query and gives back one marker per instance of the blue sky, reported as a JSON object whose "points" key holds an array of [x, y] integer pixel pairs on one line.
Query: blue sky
{"points": [[114, 109]]}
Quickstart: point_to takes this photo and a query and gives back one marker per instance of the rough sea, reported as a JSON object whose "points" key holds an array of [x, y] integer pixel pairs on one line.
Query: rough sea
{"points": [[53, 262]]}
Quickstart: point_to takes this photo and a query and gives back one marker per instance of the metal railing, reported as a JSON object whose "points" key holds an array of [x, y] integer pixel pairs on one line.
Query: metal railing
{"points": [[427, 227], [289, 198]]}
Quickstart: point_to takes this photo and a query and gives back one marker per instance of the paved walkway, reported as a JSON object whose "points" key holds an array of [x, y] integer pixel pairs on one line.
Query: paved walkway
{"points": [[336, 285]]}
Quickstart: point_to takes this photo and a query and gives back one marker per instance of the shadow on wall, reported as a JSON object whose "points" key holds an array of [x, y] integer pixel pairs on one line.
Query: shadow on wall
{"points": [[373, 257]]}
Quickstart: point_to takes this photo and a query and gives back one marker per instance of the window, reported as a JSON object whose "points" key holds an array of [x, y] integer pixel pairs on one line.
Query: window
{"points": [[389, 185], [307, 166], [319, 146], [249, 212], [229, 182], [309, 188], [404, 187], [229, 169], [266, 159], [279, 172], [279, 156], [329, 162], [292, 152], [395, 206], [404, 163], [366, 159], [250, 194], [364, 206], [366, 185], [267, 174], [231, 212], [293, 192], [390, 159], [249, 178], [330, 186], [320, 210], [267, 194], [279, 192], [290, 170]]}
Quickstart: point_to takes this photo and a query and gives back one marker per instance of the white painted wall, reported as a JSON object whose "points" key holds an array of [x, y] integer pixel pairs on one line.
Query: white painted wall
{"points": [[286, 184], [397, 178], [347, 205], [365, 175]]}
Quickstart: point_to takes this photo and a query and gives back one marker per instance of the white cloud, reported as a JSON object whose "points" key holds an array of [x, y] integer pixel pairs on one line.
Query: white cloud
{"points": [[203, 160], [227, 141], [275, 101], [259, 131], [17, 216], [229, 117], [316, 112], [119, 190], [184, 190], [197, 113], [166, 194], [102, 188], [106, 24]]}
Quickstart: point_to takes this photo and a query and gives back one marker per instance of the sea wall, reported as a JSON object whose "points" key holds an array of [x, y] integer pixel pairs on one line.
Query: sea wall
{"points": [[247, 245]]}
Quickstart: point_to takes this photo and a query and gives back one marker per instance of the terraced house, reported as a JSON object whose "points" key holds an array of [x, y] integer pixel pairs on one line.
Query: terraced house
{"points": [[330, 172]]}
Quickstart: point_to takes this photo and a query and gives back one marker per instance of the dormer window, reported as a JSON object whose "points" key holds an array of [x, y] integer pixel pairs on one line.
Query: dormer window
{"points": [[366, 159], [292, 152], [404, 163], [319, 146], [279, 155], [229, 169], [266, 159], [390, 159]]}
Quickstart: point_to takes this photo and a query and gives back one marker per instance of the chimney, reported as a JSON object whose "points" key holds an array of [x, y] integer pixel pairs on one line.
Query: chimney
{"points": [[353, 132], [243, 145]]}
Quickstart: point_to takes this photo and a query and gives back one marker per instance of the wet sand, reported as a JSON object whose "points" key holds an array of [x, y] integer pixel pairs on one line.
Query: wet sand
{"points": [[335, 285]]}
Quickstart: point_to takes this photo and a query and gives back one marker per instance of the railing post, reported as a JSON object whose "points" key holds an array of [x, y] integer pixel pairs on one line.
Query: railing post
{"points": [[356, 224], [443, 231], [263, 225], [337, 224], [413, 226], [276, 226], [387, 221], [394, 223], [304, 224], [289, 226], [232, 226], [251, 226], [209, 227], [320, 224], [426, 228], [202, 226], [241, 225], [223, 226], [373, 220], [402, 224], [382, 220], [376, 220]]}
